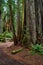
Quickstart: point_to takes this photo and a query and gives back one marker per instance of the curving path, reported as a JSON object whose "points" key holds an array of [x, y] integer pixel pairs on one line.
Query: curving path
{"points": [[6, 44], [5, 59]]}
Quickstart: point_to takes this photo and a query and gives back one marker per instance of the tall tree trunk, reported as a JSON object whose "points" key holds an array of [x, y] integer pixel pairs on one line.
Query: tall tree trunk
{"points": [[22, 13], [36, 19], [19, 23], [24, 38], [32, 10], [40, 11], [1, 26], [12, 22], [38, 22], [28, 23]]}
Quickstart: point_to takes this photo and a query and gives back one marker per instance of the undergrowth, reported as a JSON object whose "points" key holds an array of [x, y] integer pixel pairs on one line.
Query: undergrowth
{"points": [[37, 49]]}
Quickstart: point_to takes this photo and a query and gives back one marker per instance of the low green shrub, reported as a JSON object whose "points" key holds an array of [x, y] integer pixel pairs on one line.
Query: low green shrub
{"points": [[9, 35], [5, 35], [2, 37], [37, 49]]}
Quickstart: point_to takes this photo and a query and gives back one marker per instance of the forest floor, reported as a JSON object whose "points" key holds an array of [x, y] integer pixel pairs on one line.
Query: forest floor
{"points": [[22, 58]]}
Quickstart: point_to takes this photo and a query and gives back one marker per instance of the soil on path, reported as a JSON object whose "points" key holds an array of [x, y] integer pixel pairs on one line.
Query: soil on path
{"points": [[24, 57], [6, 44], [6, 60]]}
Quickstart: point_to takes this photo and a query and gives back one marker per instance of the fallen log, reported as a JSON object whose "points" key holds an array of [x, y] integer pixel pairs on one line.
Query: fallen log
{"points": [[16, 51]]}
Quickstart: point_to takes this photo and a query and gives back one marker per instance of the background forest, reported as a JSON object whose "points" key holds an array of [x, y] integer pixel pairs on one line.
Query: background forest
{"points": [[21, 32], [21, 21]]}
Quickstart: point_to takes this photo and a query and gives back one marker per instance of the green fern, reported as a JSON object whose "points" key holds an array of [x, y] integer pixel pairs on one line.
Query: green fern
{"points": [[37, 49]]}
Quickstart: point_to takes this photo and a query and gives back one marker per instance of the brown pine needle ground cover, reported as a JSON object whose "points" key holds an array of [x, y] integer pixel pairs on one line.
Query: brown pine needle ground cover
{"points": [[24, 57]]}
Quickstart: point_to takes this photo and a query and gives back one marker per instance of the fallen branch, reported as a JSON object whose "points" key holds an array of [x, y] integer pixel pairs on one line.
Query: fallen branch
{"points": [[16, 51]]}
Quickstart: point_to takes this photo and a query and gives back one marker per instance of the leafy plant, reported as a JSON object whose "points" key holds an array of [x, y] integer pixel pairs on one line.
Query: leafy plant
{"points": [[2, 37], [5, 35], [37, 49], [9, 34]]}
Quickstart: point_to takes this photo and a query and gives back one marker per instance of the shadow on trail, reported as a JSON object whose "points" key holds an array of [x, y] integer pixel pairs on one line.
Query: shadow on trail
{"points": [[6, 60]]}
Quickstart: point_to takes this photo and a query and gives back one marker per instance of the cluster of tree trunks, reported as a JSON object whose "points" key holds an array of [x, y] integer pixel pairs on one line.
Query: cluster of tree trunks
{"points": [[33, 11], [31, 27]]}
